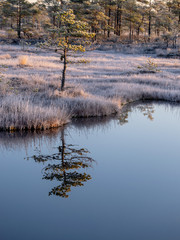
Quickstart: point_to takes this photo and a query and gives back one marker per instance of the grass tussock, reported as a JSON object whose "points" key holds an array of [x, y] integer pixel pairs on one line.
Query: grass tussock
{"points": [[23, 60]]}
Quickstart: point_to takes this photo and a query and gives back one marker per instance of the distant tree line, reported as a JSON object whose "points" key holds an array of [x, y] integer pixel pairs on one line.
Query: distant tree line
{"points": [[129, 20]]}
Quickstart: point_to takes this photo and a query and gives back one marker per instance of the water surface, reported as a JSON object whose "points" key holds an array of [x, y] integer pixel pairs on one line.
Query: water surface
{"points": [[98, 179]]}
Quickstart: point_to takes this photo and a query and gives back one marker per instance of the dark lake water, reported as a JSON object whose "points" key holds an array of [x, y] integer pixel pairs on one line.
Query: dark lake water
{"points": [[97, 179]]}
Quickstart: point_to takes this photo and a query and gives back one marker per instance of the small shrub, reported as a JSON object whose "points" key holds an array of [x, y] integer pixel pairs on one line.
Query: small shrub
{"points": [[148, 67]]}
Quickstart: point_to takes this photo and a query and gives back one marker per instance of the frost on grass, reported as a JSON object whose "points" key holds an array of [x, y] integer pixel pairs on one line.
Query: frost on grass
{"points": [[18, 113], [97, 88], [89, 107]]}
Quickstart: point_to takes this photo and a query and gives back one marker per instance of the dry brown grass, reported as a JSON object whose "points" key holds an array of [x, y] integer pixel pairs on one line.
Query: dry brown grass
{"points": [[23, 60], [5, 56]]}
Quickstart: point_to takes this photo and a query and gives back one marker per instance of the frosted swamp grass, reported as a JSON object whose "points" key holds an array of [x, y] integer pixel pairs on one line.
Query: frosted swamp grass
{"points": [[19, 113], [99, 86]]}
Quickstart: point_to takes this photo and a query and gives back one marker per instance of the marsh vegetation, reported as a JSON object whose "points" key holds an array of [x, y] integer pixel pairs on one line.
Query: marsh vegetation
{"points": [[30, 85]]}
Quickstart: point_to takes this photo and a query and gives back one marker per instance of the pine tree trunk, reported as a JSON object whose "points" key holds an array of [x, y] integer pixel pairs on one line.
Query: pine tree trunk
{"points": [[120, 23], [149, 25], [19, 10], [19, 27], [115, 23], [149, 28], [64, 70], [109, 22], [54, 20], [138, 32], [130, 32], [119, 19]]}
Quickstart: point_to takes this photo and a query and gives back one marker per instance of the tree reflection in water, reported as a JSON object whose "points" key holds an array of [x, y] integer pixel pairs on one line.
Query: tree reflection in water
{"points": [[147, 110], [67, 171]]}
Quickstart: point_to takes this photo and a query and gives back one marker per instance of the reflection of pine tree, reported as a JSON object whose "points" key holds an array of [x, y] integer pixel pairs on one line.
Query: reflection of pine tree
{"points": [[146, 109], [69, 159]]}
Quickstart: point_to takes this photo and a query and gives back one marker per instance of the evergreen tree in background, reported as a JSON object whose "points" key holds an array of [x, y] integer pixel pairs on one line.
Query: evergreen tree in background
{"points": [[128, 20], [17, 10]]}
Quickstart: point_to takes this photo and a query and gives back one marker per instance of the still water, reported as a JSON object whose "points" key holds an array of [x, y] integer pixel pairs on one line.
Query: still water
{"points": [[97, 179]]}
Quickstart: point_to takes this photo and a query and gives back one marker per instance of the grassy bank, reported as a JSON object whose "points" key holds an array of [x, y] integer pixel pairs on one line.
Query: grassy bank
{"points": [[30, 83]]}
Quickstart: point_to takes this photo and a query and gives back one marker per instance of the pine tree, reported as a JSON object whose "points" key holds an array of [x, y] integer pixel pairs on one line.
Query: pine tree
{"points": [[17, 10], [71, 36]]}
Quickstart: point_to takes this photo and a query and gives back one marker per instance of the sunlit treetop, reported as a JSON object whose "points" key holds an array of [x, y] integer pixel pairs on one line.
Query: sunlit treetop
{"points": [[72, 34]]}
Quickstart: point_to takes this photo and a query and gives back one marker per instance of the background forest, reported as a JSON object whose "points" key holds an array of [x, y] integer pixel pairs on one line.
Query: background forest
{"points": [[125, 21]]}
